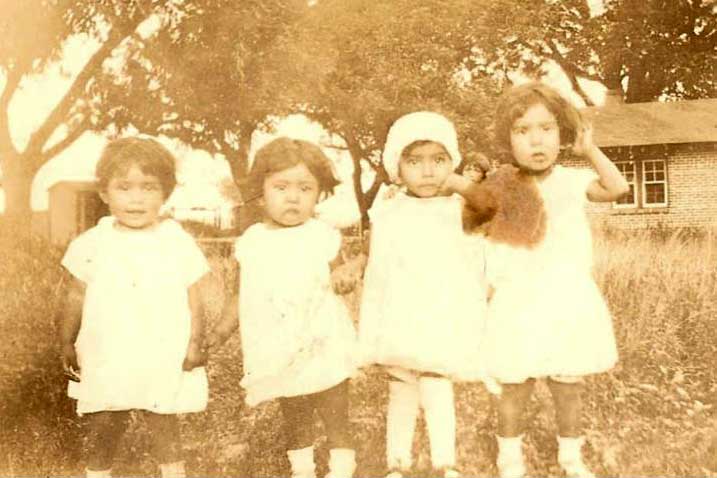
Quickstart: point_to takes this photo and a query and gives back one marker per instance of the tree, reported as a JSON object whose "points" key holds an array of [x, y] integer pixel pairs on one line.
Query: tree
{"points": [[645, 49], [33, 33], [356, 65], [192, 79]]}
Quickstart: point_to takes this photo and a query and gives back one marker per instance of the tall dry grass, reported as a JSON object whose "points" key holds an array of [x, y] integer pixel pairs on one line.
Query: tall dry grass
{"points": [[651, 416]]}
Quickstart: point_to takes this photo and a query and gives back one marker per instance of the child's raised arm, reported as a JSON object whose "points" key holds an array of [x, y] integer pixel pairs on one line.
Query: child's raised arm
{"points": [[611, 184], [479, 199], [70, 326]]}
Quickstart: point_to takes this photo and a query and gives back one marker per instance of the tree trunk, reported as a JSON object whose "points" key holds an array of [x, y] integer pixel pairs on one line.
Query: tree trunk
{"points": [[18, 173], [250, 211]]}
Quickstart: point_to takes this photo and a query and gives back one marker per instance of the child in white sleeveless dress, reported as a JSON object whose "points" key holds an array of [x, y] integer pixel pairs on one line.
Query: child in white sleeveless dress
{"points": [[132, 329], [547, 318], [423, 307], [298, 341]]}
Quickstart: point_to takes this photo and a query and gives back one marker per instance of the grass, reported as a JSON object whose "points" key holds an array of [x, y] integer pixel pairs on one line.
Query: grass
{"points": [[652, 416]]}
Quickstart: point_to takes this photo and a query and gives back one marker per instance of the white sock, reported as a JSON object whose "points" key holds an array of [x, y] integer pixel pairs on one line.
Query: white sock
{"points": [[302, 462], [173, 470], [440, 414], [342, 463], [570, 456], [401, 423], [98, 473], [510, 457]]}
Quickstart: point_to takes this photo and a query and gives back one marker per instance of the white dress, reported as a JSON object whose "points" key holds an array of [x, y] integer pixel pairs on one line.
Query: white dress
{"points": [[423, 304], [297, 336], [547, 316], [136, 320]]}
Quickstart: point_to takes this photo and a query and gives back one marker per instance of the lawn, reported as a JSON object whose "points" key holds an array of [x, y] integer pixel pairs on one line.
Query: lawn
{"points": [[652, 416]]}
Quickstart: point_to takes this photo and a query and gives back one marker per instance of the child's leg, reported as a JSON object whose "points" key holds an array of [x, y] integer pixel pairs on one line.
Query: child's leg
{"points": [[166, 443], [298, 413], [568, 406], [567, 395], [403, 406], [105, 429], [511, 406], [439, 411], [333, 408]]}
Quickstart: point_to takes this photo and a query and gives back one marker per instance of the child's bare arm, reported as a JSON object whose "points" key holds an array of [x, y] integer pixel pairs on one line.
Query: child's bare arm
{"points": [[611, 184], [479, 200], [195, 357], [229, 320], [70, 325]]}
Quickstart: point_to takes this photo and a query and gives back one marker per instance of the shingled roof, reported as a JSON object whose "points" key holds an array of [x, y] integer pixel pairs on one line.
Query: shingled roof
{"points": [[623, 124]]}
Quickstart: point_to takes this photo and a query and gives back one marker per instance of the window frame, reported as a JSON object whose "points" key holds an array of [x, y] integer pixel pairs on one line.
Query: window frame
{"points": [[639, 183], [645, 182]]}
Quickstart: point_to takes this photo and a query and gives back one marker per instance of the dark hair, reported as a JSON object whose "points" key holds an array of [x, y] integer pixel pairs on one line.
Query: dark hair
{"points": [[284, 153], [518, 99], [147, 154]]}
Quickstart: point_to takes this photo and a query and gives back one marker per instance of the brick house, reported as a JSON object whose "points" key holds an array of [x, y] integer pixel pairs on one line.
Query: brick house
{"points": [[668, 154]]}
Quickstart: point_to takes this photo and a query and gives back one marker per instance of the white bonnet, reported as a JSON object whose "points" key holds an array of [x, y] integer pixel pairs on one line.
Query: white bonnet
{"points": [[419, 126]]}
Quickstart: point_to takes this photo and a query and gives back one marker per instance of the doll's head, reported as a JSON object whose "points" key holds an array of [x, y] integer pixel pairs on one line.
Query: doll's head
{"points": [[290, 176], [476, 167], [534, 123], [135, 177], [421, 151]]}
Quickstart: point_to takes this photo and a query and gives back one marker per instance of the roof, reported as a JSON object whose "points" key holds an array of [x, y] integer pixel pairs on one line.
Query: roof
{"points": [[624, 124], [76, 183]]}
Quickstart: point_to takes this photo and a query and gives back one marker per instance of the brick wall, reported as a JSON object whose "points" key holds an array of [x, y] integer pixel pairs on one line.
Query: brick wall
{"points": [[691, 189]]}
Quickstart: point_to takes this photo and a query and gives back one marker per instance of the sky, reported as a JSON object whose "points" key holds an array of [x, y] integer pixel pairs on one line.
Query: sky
{"points": [[198, 172]]}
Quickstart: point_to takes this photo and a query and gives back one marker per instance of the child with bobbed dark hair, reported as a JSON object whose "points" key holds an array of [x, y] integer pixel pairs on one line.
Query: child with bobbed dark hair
{"points": [[547, 318], [298, 341], [131, 336]]}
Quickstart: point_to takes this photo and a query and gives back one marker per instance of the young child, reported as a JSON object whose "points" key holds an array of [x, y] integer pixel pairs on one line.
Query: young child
{"points": [[132, 329], [298, 340], [422, 308], [547, 318]]}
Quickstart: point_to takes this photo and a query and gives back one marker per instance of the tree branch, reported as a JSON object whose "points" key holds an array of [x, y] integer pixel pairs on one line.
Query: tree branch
{"points": [[12, 80], [94, 66], [70, 138]]}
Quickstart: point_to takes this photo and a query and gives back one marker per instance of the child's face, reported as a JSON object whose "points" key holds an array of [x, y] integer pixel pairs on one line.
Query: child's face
{"points": [[425, 169], [134, 198], [474, 173], [290, 196], [535, 139]]}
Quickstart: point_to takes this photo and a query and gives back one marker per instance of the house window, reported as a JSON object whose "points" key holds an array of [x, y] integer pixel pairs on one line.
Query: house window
{"points": [[648, 183], [654, 183], [629, 172]]}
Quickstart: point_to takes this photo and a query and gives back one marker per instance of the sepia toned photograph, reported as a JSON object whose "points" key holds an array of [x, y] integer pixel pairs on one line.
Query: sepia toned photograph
{"points": [[358, 238]]}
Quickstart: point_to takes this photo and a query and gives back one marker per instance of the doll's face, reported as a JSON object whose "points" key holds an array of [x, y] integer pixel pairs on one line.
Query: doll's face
{"points": [[290, 196], [424, 169], [474, 173], [535, 139]]}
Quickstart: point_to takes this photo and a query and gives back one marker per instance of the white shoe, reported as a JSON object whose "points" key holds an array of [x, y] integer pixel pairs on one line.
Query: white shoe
{"points": [[510, 457], [570, 457], [576, 469]]}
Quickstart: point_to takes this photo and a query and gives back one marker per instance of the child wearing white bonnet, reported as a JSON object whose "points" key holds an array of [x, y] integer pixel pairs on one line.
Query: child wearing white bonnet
{"points": [[423, 307]]}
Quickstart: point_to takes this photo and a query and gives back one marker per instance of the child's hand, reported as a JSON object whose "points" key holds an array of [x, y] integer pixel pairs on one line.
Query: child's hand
{"points": [[584, 140], [196, 357], [344, 278], [454, 183], [69, 362]]}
